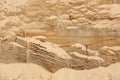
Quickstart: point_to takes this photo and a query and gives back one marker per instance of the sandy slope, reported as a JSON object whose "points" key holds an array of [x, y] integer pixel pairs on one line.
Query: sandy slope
{"points": [[34, 72], [109, 73], [23, 72]]}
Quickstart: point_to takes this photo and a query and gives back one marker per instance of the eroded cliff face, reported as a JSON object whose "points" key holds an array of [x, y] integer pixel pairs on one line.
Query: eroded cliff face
{"points": [[55, 34], [61, 17], [67, 16]]}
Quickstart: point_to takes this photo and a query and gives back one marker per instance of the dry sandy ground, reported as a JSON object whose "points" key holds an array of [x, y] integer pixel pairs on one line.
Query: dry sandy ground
{"points": [[34, 72]]}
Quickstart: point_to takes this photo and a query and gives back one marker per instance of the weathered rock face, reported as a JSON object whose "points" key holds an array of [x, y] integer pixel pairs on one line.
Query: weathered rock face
{"points": [[45, 54], [110, 54], [53, 58], [110, 1], [24, 24], [58, 15], [32, 50], [11, 53]]}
